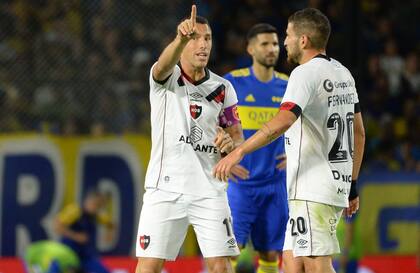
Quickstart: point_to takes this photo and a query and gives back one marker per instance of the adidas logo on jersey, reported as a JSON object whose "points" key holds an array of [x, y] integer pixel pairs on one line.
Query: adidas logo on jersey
{"points": [[250, 98]]}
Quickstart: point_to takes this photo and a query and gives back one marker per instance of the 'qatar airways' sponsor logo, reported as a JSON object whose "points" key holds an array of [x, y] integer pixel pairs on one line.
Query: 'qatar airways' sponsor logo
{"points": [[210, 149], [261, 116]]}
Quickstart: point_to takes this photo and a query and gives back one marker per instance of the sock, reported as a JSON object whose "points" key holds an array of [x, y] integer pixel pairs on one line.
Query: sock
{"points": [[267, 267], [234, 263]]}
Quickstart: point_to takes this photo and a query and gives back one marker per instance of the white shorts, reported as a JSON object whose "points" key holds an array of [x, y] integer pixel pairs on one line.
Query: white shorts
{"points": [[165, 217], [311, 229]]}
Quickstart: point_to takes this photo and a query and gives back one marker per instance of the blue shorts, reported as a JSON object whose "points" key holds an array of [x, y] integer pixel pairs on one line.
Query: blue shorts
{"points": [[259, 212]]}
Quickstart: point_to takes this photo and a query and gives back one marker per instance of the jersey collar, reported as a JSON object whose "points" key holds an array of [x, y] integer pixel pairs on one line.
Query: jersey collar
{"points": [[323, 56], [205, 78], [255, 77]]}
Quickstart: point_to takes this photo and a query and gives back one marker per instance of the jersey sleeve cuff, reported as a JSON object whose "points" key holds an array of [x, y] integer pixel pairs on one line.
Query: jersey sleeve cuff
{"points": [[357, 108], [162, 82], [292, 107]]}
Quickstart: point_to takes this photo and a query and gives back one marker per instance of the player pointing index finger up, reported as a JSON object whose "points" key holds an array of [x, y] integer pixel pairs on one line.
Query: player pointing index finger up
{"points": [[188, 105], [187, 28]]}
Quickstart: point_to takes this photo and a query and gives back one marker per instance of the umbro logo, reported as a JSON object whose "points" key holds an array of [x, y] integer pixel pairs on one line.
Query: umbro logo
{"points": [[232, 241], [250, 98], [196, 95], [302, 242]]}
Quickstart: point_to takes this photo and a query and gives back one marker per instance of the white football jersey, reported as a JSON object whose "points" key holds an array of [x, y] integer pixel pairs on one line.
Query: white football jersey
{"points": [[319, 145], [184, 119]]}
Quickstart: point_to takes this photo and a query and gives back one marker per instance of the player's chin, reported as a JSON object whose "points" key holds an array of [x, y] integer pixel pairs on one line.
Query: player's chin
{"points": [[201, 63]]}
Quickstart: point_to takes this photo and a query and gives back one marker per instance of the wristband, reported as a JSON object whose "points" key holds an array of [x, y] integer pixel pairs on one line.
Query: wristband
{"points": [[353, 190]]}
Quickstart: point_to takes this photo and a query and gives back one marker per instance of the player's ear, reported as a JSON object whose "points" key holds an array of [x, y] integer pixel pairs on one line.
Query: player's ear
{"points": [[250, 48], [305, 42]]}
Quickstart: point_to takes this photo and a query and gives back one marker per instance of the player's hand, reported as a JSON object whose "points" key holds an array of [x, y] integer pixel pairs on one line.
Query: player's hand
{"points": [[240, 172], [223, 169], [283, 162], [223, 141], [186, 29], [353, 207]]}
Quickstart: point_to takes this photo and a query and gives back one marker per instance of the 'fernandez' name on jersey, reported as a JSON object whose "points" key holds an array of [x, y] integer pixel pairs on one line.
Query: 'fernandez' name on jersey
{"points": [[325, 92]]}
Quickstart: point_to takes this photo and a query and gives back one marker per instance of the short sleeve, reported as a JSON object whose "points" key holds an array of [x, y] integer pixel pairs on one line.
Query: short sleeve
{"points": [[168, 83], [301, 87], [230, 96]]}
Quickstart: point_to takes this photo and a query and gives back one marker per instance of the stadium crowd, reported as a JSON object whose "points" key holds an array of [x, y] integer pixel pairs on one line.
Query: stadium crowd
{"points": [[72, 67]]}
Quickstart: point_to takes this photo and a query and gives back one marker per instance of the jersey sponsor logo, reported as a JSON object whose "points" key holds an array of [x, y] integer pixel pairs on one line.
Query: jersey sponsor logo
{"points": [[343, 85], [196, 111], [343, 191], [210, 149], [196, 134], [344, 177], [144, 241], [250, 98], [328, 85], [252, 118], [217, 95]]}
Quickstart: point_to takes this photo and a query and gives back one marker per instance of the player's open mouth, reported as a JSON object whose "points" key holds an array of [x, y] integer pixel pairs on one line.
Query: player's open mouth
{"points": [[202, 55]]}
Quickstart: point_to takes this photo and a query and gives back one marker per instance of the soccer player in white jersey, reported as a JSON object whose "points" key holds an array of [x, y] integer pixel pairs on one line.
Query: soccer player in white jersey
{"points": [[189, 107], [324, 145]]}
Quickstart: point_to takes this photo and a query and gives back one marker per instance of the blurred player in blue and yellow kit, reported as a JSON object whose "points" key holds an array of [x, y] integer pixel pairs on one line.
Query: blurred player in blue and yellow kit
{"points": [[259, 201], [77, 227]]}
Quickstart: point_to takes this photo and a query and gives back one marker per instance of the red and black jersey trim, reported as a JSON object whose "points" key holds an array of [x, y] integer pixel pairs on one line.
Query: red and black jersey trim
{"points": [[217, 95], [292, 107], [180, 81], [357, 108], [188, 78]]}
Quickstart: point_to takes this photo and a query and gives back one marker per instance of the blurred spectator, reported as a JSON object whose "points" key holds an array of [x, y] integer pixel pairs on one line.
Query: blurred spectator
{"points": [[392, 64], [81, 67]]}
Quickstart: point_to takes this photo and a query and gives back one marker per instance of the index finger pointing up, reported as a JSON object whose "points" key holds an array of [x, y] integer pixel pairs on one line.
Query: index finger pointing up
{"points": [[193, 14]]}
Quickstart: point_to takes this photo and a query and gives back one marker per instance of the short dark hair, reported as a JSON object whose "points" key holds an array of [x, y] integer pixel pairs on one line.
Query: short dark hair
{"points": [[202, 20], [314, 24], [198, 19], [258, 29]]}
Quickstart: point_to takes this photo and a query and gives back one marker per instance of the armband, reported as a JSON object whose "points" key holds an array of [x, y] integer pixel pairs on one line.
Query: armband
{"points": [[229, 117]]}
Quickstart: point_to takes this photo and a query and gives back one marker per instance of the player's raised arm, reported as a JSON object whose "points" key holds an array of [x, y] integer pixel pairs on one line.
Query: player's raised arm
{"points": [[172, 53]]}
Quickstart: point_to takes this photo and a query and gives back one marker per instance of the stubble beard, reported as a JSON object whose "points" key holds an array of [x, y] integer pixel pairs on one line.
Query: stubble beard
{"points": [[294, 58], [266, 64]]}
